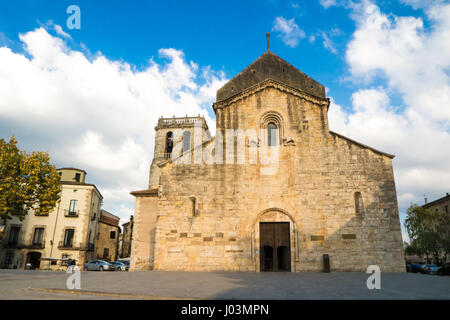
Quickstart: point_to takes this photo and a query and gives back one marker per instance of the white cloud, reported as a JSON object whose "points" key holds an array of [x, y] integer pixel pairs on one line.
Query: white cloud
{"points": [[414, 61], [288, 31], [328, 3], [97, 114], [396, 55], [60, 31]]}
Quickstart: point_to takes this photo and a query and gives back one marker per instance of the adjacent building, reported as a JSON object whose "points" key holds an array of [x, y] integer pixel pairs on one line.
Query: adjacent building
{"points": [[126, 238], [325, 198], [69, 231], [108, 235], [442, 204]]}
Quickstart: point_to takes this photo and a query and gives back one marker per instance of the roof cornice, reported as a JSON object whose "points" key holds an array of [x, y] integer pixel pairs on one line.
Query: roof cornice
{"points": [[274, 84]]}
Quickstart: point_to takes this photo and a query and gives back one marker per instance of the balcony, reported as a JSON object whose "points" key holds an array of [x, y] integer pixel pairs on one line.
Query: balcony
{"points": [[12, 244], [35, 246], [71, 214], [66, 246], [75, 246]]}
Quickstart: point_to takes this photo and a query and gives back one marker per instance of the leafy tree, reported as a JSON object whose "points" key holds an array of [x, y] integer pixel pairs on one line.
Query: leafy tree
{"points": [[27, 182], [428, 231]]}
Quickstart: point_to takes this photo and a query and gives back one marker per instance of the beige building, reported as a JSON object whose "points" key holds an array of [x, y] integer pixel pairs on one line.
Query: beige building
{"points": [[126, 238], [213, 205], [41, 241], [441, 205], [108, 234]]}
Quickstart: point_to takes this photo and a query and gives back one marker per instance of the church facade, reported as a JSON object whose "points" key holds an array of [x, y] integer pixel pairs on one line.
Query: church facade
{"points": [[274, 190]]}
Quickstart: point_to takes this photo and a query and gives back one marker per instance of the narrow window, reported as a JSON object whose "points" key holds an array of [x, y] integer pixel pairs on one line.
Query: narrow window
{"points": [[272, 134], [112, 235], [68, 238], [38, 235], [105, 253], [186, 141], [77, 177], [192, 206], [14, 235], [358, 203], [9, 258], [73, 207], [446, 209], [169, 144]]}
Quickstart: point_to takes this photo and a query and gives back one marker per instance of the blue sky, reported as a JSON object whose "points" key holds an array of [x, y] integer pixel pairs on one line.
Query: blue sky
{"points": [[226, 35], [385, 64]]}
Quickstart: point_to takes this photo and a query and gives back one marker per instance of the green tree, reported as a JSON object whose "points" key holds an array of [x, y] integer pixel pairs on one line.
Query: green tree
{"points": [[428, 231], [27, 182]]}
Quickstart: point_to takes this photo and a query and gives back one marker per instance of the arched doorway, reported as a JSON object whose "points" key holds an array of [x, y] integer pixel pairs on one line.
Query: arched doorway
{"points": [[275, 240], [34, 259]]}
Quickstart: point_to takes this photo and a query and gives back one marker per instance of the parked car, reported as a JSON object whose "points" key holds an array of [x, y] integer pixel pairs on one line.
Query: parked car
{"points": [[416, 267], [430, 269], [445, 270], [99, 265], [126, 263], [119, 266], [408, 267]]}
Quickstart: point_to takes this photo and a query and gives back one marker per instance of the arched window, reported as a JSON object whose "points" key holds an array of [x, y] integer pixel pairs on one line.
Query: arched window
{"points": [[186, 141], [272, 134], [358, 204], [271, 125], [169, 144]]}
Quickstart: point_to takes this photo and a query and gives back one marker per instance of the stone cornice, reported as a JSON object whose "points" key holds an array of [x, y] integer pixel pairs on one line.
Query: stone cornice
{"points": [[362, 145], [145, 193], [274, 84]]}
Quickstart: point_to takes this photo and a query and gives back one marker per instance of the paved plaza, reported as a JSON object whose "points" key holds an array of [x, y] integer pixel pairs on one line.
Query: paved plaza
{"points": [[20, 284]]}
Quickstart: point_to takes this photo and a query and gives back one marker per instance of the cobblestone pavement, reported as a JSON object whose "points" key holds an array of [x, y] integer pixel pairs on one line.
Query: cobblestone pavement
{"points": [[20, 284]]}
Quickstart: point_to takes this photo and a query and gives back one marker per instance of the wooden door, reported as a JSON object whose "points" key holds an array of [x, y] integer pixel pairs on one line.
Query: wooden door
{"points": [[275, 249]]}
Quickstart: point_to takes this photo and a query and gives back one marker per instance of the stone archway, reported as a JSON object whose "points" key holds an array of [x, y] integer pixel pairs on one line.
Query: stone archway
{"points": [[281, 222]]}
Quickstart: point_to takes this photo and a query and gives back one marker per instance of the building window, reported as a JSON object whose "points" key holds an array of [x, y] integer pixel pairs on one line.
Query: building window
{"points": [[105, 253], [112, 235], [192, 207], [38, 235], [14, 235], [77, 177], [271, 125], [272, 134], [73, 207], [68, 238], [446, 209], [60, 175], [169, 144], [358, 203], [9, 257], [186, 141]]}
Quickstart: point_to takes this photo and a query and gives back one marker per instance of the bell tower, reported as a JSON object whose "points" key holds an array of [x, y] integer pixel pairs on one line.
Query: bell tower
{"points": [[172, 135]]}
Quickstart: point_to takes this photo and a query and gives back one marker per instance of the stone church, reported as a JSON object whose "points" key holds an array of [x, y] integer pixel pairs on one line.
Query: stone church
{"points": [[328, 201]]}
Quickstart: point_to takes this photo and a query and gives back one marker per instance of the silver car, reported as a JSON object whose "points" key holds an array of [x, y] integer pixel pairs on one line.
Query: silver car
{"points": [[98, 265]]}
